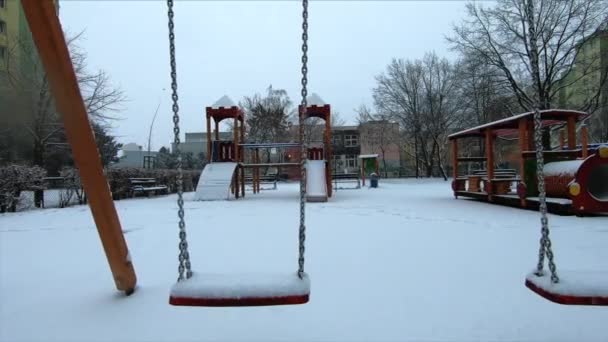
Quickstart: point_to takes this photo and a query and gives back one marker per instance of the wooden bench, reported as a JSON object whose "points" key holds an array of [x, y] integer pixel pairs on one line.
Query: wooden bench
{"points": [[146, 186], [338, 178], [503, 178]]}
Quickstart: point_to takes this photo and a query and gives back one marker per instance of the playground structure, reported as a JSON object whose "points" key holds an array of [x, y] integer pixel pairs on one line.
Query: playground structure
{"points": [[575, 175], [295, 288], [237, 156]]}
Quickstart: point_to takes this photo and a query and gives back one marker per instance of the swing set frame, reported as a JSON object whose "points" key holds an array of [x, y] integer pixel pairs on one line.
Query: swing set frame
{"points": [[54, 54]]}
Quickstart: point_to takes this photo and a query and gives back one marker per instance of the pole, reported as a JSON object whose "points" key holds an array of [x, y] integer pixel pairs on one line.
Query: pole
{"points": [[52, 48], [150, 133]]}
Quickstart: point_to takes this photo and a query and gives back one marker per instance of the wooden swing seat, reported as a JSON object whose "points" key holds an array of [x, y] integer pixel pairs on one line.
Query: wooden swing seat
{"points": [[574, 287], [221, 290]]}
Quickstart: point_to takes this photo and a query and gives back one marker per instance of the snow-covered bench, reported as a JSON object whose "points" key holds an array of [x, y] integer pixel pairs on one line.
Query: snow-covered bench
{"points": [[146, 186]]}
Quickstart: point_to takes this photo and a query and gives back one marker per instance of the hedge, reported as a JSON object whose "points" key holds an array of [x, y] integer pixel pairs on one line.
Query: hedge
{"points": [[118, 178], [17, 178]]}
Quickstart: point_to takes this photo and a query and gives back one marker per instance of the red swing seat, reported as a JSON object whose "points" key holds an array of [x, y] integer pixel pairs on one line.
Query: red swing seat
{"points": [[219, 290], [574, 287]]}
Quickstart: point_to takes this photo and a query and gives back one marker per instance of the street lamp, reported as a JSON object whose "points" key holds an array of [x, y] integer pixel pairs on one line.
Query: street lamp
{"points": [[149, 156]]}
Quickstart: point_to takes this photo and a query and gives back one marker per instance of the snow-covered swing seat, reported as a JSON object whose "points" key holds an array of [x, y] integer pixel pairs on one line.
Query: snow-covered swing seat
{"points": [[573, 287], [200, 289], [241, 290], [570, 287]]}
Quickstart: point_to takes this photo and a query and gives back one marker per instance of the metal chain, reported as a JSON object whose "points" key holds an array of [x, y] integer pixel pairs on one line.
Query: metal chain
{"points": [[184, 256], [303, 146], [545, 241]]}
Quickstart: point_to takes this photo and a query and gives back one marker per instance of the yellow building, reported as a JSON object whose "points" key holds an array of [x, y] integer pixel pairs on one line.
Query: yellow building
{"points": [[587, 78], [9, 19], [16, 42], [21, 71]]}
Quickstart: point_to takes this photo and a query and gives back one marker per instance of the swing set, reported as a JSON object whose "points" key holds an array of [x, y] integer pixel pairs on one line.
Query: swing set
{"points": [[194, 289]]}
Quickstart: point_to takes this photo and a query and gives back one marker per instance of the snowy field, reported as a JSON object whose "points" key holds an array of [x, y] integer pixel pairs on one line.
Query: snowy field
{"points": [[404, 262]]}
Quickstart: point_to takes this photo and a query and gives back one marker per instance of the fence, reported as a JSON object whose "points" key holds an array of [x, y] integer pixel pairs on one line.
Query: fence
{"points": [[61, 192], [58, 192]]}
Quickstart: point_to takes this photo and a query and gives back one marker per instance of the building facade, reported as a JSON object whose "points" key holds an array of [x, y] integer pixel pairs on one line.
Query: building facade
{"points": [[196, 143], [346, 145], [587, 77], [348, 142], [133, 155]]}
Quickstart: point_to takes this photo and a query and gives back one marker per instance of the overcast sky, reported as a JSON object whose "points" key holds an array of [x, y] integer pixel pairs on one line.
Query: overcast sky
{"points": [[239, 48]]}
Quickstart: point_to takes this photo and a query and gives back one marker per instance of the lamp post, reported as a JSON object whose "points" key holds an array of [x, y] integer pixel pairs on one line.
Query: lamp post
{"points": [[149, 156]]}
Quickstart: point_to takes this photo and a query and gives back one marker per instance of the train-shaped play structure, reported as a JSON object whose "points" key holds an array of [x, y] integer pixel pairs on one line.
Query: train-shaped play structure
{"points": [[576, 174]]}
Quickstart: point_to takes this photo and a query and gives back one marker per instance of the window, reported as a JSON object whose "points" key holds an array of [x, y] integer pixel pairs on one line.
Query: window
{"points": [[2, 53], [149, 162], [351, 140], [351, 161], [337, 164], [2, 3], [2, 26], [336, 140]]}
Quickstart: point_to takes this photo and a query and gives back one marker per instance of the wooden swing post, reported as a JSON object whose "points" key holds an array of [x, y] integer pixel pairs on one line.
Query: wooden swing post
{"points": [[55, 57]]}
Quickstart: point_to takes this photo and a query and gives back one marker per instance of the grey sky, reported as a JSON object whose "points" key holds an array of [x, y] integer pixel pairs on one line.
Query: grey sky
{"points": [[239, 48]]}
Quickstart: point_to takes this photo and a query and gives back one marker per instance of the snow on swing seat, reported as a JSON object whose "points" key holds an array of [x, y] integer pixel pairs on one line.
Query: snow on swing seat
{"points": [[573, 288], [204, 289]]}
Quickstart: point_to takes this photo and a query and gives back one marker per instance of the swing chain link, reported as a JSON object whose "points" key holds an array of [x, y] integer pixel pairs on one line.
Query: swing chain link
{"points": [[303, 146], [545, 241], [184, 256]]}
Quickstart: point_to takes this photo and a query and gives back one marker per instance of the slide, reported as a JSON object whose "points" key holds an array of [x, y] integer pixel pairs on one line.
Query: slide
{"points": [[316, 187], [215, 181]]}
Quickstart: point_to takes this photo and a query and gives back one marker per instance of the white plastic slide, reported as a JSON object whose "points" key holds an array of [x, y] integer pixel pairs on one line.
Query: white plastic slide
{"points": [[215, 181], [316, 187]]}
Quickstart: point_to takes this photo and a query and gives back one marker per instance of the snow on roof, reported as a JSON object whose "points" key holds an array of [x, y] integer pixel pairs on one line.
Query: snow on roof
{"points": [[315, 100], [362, 156], [225, 101], [565, 168], [508, 125], [345, 128]]}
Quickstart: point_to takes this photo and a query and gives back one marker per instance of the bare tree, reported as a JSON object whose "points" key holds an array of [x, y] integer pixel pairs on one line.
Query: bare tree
{"points": [[337, 120], [421, 94], [482, 93], [314, 128], [102, 99], [534, 44], [267, 116], [364, 114], [399, 93], [440, 107], [31, 101]]}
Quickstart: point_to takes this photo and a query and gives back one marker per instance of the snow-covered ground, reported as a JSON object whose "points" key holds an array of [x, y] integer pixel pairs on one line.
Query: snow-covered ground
{"points": [[404, 262]]}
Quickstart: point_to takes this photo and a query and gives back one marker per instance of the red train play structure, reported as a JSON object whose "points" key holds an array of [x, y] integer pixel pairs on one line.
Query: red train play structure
{"points": [[576, 176]]}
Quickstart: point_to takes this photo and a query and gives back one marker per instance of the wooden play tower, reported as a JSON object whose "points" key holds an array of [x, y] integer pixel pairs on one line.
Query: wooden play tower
{"points": [[321, 153], [236, 150], [227, 150]]}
